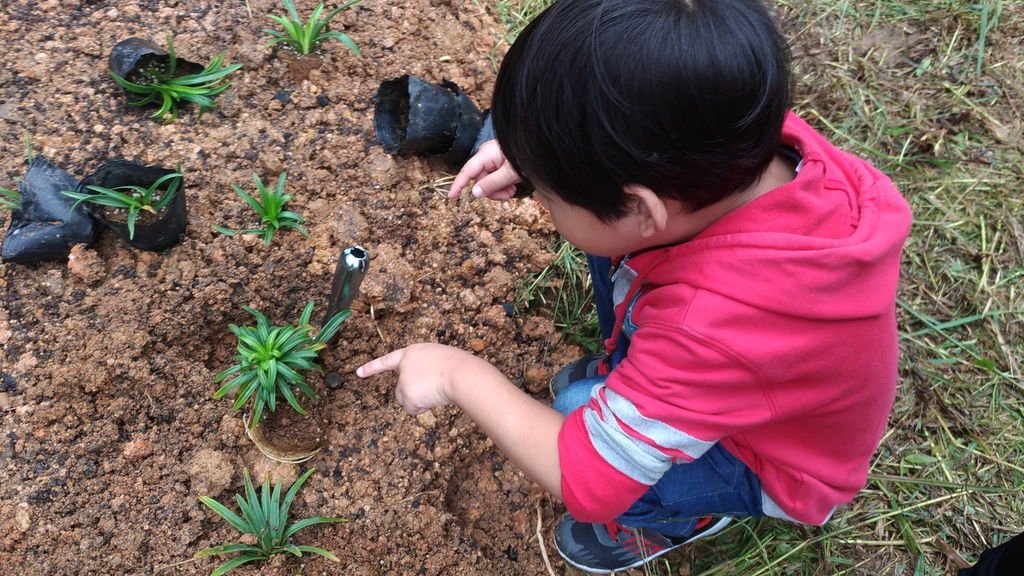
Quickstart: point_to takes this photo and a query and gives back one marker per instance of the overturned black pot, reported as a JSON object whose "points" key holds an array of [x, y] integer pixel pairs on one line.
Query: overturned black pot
{"points": [[133, 58], [45, 227], [152, 231], [413, 116]]}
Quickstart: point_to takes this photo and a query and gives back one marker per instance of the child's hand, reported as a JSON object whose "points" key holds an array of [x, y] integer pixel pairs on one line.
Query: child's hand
{"points": [[495, 178], [425, 373]]}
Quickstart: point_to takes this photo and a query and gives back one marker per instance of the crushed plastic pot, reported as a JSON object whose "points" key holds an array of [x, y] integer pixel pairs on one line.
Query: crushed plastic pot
{"points": [[45, 227]]}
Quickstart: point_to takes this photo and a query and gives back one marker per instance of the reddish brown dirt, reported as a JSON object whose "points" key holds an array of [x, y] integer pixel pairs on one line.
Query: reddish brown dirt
{"points": [[108, 432]]}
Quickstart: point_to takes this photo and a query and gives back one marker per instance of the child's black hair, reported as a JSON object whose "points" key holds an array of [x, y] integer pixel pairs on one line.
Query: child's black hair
{"points": [[686, 97]]}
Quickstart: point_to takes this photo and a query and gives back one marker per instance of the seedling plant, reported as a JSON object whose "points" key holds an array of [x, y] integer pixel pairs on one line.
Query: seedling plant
{"points": [[265, 518], [270, 208], [155, 84], [9, 199], [132, 198], [272, 360], [303, 37]]}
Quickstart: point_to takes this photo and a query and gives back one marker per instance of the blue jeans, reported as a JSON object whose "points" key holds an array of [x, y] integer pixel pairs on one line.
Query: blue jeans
{"points": [[716, 483]]}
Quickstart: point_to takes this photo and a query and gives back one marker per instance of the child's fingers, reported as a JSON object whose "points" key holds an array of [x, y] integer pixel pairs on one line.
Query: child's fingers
{"points": [[473, 168], [487, 160], [498, 181], [385, 363]]}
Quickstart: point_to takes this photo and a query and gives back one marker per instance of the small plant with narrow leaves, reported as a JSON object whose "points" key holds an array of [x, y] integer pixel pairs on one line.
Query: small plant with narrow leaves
{"points": [[272, 360], [9, 199], [303, 37], [162, 84], [270, 208], [264, 517], [132, 198]]}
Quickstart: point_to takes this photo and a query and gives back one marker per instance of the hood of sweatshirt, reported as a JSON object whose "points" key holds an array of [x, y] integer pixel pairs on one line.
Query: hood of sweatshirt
{"points": [[810, 248]]}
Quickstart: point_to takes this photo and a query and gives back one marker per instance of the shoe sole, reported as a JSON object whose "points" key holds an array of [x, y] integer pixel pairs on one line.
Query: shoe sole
{"points": [[717, 527]]}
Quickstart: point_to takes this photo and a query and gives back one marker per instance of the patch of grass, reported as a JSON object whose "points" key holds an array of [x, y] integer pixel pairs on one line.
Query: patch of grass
{"points": [[563, 291], [515, 15], [304, 37], [929, 91]]}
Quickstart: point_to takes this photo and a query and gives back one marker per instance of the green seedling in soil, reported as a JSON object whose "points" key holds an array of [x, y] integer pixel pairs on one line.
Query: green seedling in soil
{"points": [[270, 208], [303, 37], [157, 83], [9, 199], [264, 518], [132, 198], [271, 361]]}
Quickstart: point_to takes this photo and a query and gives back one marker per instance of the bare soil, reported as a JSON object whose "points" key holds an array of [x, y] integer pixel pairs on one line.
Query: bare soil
{"points": [[108, 432]]}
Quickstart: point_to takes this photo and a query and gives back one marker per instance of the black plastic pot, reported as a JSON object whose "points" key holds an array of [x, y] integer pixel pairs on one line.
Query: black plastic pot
{"points": [[136, 54], [466, 131], [152, 232], [45, 227], [413, 116]]}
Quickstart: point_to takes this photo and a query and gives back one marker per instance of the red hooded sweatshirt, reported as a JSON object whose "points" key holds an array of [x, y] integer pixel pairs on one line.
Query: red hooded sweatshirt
{"points": [[773, 333]]}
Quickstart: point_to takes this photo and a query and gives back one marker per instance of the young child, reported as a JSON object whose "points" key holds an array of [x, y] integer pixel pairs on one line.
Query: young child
{"points": [[745, 272]]}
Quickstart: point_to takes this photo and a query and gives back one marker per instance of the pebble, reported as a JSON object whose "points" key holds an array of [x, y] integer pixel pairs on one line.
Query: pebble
{"points": [[22, 518], [334, 380], [137, 450], [477, 345], [5, 401]]}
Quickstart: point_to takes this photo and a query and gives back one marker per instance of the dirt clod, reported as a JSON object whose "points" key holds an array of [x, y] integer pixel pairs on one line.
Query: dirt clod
{"points": [[211, 472]]}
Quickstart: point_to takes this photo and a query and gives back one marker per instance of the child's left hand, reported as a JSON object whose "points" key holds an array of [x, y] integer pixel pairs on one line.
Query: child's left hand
{"points": [[425, 374]]}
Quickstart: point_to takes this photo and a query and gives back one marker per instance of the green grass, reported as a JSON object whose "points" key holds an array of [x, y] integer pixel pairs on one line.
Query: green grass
{"points": [[931, 92], [562, 290]]}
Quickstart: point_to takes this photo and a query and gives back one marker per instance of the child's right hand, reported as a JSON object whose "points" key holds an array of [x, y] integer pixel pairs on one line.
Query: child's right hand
{"points": [[495, 178]]}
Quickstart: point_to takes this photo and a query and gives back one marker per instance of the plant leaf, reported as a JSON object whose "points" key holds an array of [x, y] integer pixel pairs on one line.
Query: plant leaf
{"points": [[307, 522], [226, 514], [235, 563], [227, 549], [320, 551]]}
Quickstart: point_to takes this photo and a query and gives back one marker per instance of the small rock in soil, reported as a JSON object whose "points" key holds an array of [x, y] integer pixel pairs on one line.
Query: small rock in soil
{"points": [[322, 100], [7, 382], [5, 401], [426, 419], [86, 264], [283, 96], [263, 468], [137, 450], [334, 380], [535, 375], [477, 345], [210, 472], [22, 518]]}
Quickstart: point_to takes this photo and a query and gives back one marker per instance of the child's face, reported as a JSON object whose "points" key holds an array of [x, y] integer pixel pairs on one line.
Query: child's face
{"points": [[587, 232]]}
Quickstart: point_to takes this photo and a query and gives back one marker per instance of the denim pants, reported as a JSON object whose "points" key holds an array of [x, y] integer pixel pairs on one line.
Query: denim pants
{"points": [[717, 483]]}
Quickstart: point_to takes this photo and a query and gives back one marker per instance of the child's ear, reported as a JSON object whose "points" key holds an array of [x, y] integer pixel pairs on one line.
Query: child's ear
{"points": [[651, 211]]}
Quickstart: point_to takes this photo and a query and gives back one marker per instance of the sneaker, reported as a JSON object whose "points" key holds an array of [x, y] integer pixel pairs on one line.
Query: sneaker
{"points": [[586, 367], [607, 548]]}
